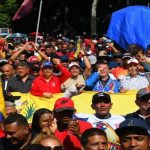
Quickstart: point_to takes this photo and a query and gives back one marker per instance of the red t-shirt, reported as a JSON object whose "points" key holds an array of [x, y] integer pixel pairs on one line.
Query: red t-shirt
{"points": [[39, 86], [70, 141]]}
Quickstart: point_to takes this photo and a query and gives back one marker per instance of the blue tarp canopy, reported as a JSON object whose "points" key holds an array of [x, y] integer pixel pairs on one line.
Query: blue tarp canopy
{"points": [[130, 25]]}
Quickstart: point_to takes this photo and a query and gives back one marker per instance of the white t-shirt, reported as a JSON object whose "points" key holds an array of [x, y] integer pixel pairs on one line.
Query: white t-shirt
{"points": [[108, 125], [113, 121]]}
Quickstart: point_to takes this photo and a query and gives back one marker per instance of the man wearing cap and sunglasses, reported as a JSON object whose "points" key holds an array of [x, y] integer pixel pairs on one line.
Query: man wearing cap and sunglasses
{"points": [[134, 134], [68, 130], [46, 84], [143, 102]]}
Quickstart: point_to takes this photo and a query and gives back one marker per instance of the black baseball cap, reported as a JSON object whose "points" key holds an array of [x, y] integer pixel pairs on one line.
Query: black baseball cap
{"points": [[143, 94], [101, 97], [133, 126]]}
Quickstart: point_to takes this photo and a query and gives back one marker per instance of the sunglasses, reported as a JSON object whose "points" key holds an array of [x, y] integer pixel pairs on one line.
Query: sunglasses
{"points": [[47, 67], [55, 148]]}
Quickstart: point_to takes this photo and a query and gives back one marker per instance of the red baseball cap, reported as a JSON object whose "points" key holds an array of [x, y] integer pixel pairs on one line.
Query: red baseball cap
{"points": [[33, 59], [63, 104]]}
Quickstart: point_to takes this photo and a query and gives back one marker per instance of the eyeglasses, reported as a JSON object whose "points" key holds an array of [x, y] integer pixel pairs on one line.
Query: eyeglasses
{"points": [[55, 148]]}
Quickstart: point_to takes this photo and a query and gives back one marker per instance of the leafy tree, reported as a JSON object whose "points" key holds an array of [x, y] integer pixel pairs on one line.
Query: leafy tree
{"points": [[7, 10]]}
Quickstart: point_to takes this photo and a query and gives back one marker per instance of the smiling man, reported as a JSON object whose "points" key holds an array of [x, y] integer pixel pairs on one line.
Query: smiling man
{"points": [[133, 81], [102, 81], [18, 134], [76, 77]]}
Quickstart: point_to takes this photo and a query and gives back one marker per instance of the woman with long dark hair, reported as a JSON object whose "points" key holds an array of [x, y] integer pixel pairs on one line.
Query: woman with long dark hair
{"points": [[42, 120]]}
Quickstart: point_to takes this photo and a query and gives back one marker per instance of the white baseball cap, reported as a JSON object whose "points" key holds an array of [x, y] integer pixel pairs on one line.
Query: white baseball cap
{"points": [[74, 64], [132, 60]]}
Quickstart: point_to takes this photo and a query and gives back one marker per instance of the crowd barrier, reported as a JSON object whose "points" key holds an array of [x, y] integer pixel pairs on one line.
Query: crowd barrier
{"points": [[28, 104]]}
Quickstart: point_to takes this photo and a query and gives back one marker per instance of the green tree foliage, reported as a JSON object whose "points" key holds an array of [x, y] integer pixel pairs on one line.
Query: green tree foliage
{"points": [[7, 10]]}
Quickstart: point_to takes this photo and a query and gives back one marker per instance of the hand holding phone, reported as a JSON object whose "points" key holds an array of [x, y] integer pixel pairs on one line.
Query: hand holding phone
{"points": [[74, 127]]}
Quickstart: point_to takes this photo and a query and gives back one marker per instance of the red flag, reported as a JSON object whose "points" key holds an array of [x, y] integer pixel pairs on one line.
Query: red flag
{"points": [[25, 9]]}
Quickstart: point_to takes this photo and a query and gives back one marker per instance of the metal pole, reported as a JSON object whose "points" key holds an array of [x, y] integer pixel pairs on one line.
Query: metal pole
{"points": [[38, 22], [93, 18]]}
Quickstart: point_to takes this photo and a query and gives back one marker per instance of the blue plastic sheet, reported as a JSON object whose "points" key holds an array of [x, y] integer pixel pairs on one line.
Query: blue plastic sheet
{"points": [[130, 25]]}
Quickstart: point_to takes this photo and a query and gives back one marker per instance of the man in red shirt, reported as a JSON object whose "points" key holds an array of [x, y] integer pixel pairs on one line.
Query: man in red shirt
{"points": [[68, 130], [46, 84]]}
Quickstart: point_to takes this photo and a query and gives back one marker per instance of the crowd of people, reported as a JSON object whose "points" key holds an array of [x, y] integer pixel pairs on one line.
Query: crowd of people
{"points": [[59, 64]]}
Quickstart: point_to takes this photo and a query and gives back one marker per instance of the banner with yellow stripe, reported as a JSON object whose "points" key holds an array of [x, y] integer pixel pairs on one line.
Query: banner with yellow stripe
{"points": [[28, 104]]}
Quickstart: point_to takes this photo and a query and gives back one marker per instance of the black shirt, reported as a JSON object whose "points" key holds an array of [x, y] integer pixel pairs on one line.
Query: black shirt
{"points": [[6, 145], [15, 84], [1, 147], [137, 115]]}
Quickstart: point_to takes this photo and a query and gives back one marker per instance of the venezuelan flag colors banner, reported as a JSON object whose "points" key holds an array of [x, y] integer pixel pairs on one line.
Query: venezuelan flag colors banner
{"points": [[2, 104], [28, 104]]}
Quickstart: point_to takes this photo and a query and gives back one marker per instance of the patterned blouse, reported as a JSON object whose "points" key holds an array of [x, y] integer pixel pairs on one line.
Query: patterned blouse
{"points": [[134, 83]]}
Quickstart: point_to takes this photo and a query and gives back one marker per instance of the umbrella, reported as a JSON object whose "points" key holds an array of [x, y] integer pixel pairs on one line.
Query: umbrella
{"points": [[130, 25], [16, 35]]}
